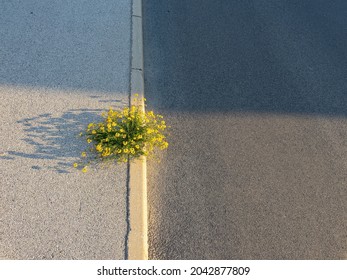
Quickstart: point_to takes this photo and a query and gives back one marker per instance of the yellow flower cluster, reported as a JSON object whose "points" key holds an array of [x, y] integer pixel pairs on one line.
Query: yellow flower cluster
{"points": [[126, 134]]}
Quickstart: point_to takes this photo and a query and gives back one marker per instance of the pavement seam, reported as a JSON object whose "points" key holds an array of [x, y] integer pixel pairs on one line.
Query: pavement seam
{"points": [[127, 217], [137, 241], [127, 185]]}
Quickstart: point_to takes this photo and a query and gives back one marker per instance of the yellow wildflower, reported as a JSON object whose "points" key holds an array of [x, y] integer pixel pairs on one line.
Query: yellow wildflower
{"points": [[84, 169], [89, 140], [164, 145], [75, 165], [106, 152], [84, 154], [94, 132]]}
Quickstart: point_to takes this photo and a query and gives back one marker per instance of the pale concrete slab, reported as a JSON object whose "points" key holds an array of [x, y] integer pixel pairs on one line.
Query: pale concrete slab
{"points": [[62, 64]]}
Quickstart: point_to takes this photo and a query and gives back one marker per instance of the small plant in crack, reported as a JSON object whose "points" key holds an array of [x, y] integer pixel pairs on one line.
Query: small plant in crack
{"points": [[124, 135]]}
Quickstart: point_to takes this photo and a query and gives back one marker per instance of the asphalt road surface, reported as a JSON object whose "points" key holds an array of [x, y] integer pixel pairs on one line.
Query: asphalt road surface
{"points": [[62, 63], [256, 95]]}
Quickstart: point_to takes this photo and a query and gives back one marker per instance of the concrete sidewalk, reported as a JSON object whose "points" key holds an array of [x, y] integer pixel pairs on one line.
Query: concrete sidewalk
{"points": [[62, 64]]}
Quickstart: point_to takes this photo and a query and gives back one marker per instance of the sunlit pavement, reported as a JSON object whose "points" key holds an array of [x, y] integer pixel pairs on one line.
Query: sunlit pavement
{"points": [[62, 64]]}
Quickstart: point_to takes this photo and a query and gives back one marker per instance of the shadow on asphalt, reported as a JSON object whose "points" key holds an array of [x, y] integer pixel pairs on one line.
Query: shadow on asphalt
{"points": [[256, 93], [56, 138], [272, 57], [75, 46]]}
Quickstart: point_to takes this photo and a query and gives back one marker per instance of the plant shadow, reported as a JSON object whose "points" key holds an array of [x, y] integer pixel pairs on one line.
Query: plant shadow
{"points": [[56, 139]]}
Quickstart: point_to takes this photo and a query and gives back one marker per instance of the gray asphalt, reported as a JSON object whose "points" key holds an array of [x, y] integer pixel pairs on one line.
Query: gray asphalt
{"points": [[255, 93], [61, 64]]}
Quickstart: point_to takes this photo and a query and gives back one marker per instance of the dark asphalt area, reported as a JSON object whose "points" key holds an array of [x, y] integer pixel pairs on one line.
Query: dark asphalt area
{"points": [[255, 92]]}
